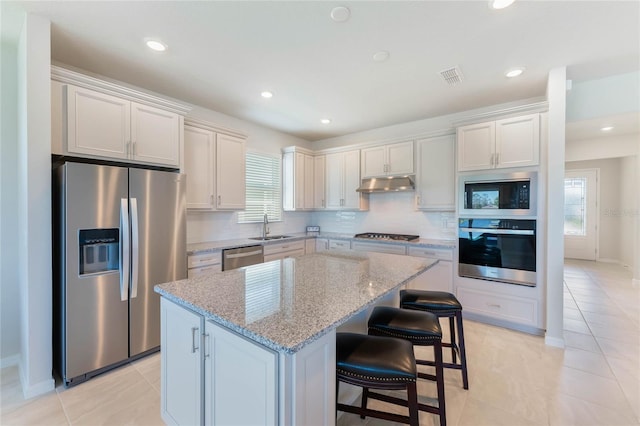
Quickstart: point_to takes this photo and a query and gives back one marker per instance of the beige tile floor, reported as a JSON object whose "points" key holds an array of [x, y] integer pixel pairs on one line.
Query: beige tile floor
{"points": [[515, 379]]}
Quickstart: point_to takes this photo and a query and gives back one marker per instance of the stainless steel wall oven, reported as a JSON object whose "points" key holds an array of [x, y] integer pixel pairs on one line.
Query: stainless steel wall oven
{"points": [[498, 250]]}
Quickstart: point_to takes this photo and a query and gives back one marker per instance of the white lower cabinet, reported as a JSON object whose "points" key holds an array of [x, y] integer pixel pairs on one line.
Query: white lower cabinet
{"points": [[284, 250], [181, 365], [240, 380], [511, 308], [205, 263], [309, 246], [339, 245], [440, 276], [322, 244]]}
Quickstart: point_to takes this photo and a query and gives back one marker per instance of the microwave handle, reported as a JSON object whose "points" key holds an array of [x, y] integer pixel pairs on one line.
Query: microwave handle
{"points": [[499, 231]]}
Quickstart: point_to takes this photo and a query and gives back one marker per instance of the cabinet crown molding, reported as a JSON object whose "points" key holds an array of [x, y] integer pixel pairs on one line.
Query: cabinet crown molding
{"points": [[64, 75], [213, 127], [533, 108]]}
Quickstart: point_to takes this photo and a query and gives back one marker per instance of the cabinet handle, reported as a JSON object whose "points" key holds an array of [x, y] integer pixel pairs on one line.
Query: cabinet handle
{"points": [[211, 202], [497, 158], [219, 200], [205, 259], [133, 149], [322, 203], [194, 331], [491, 160], [493, 305], [418, 200], [207, 350]]}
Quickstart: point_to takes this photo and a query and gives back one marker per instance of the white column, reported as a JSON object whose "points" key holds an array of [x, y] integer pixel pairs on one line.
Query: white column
{"points": [[34, 205], [556, 96], [636, 251]]}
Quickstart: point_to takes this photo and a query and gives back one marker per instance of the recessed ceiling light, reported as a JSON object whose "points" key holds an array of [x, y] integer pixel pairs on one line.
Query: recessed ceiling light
{"points": [[381, 56], [325, 121], [340, 14], [266, 94], [500, 4], [156, 45], [514, 72], [607, 128]]}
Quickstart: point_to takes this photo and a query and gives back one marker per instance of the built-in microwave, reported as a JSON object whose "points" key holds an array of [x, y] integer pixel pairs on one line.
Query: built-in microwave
{"points": [[498, 195]]}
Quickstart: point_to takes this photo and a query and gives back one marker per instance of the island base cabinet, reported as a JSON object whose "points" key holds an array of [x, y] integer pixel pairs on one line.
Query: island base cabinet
{"points": [[240, 380], [308, 384], [181, 365]]}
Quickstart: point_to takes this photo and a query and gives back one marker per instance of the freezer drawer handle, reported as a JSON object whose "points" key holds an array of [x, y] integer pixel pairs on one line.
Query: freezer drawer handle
{"points": [[124, 249], [134, 248], [239, 255], [194, 331]]}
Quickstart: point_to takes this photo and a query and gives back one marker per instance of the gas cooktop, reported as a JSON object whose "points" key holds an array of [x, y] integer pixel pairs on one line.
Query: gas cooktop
{"points": [[395, 237]]}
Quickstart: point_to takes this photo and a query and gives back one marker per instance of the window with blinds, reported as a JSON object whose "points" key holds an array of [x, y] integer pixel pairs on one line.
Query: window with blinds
{"points": [[264, 188]]}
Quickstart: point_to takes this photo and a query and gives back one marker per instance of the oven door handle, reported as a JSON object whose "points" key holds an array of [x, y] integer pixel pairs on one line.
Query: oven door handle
{"points": [[499, 231]]}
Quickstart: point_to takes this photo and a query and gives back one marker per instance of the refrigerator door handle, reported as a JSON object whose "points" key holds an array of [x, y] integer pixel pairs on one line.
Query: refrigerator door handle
{"points": [[124, 249], [134, 248]]}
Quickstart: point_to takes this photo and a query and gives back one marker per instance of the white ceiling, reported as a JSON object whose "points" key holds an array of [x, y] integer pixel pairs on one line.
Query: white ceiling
{"points": [[221, 55]]}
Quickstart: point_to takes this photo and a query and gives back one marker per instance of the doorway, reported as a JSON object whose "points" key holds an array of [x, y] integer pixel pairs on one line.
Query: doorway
{"points": [[581, 214]]}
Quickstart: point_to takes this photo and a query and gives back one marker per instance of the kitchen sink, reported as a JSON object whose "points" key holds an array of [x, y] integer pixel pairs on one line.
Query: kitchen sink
{"points": [[272, 237]]}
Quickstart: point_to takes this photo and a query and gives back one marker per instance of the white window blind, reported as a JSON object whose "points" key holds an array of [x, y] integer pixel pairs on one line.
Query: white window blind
{"points": [[264, 188]]}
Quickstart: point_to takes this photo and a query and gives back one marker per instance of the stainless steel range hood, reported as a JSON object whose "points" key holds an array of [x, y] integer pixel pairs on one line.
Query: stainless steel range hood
{"points": [[387, 184]]}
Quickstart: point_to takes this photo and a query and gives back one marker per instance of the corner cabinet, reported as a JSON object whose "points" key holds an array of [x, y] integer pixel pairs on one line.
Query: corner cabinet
{"points": [[343, 178], [388, 160], [214, 163], [298, 180], [511, 142], [95, 119], [435, 180]]}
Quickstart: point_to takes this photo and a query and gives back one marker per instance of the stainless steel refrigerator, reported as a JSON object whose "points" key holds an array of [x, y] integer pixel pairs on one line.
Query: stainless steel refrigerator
{"points": [[118, 231]]}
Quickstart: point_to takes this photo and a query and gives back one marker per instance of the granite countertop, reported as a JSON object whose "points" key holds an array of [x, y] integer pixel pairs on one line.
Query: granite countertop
{"points": [[197, 248], [289, 303]]}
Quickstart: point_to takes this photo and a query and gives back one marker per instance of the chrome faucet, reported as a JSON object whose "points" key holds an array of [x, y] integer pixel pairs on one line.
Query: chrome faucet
{"points": [[265, 230]]}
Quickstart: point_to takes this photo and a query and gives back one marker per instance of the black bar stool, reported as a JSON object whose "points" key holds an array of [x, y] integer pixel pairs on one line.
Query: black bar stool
{"points": [[443, 305], [421, 329], [378, 363]]}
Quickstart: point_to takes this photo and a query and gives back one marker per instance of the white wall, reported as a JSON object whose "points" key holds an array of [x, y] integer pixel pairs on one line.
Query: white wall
{"points": [[604, 97], [553, 158], [629, 213], [34, 205], [393, 213], [9, 288], [607, 147]]}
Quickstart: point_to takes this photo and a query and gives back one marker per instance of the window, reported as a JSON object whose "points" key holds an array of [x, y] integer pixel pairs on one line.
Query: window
{"points": [[264, 188], [575, 206]]}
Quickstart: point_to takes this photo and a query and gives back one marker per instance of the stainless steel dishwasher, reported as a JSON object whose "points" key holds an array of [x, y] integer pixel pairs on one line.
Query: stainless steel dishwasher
{"points": [[241, 256]]}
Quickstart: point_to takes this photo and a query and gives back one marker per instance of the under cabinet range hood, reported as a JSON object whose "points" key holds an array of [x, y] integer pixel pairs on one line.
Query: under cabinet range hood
{"points": [[387, 184]]}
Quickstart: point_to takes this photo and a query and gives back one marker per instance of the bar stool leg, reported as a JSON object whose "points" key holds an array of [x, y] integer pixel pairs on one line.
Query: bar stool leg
{"points": [[452, 331], [365, 398], [437, 350], [463, 353], [412, 402]]}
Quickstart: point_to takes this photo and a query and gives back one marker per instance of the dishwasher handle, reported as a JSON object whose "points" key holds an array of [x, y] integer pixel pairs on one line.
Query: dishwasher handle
{"points": [[244, 254]]}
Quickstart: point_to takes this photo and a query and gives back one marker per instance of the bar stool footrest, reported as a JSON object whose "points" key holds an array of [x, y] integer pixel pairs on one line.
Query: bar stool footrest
{"points": [[403, 402], [373, 413]]}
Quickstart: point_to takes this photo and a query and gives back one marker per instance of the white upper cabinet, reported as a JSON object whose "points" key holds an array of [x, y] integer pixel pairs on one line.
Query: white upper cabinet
{"points": [[343, 178], [155, 135], [388, 160], [99, 119], [319, 193], [230, 172], [98, 124], [435, 180], [511, 142], [199, 166], [298, 171], [215, 167]]}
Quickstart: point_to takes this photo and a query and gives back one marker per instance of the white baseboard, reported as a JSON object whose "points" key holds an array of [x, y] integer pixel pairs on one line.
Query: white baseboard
{"points": [[10, 361], [40, 388], [554, 341]]}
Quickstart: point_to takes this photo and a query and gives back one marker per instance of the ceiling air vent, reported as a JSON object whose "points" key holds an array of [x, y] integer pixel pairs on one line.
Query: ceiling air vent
{"points": [[451, 76]]}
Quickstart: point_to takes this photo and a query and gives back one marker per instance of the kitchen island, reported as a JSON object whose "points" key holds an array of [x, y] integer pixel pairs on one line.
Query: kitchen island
{"points": [[256, 345]]}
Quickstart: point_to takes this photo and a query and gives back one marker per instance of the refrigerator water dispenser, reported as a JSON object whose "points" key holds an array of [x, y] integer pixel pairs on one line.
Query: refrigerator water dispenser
{"points": [[98, 250]]}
